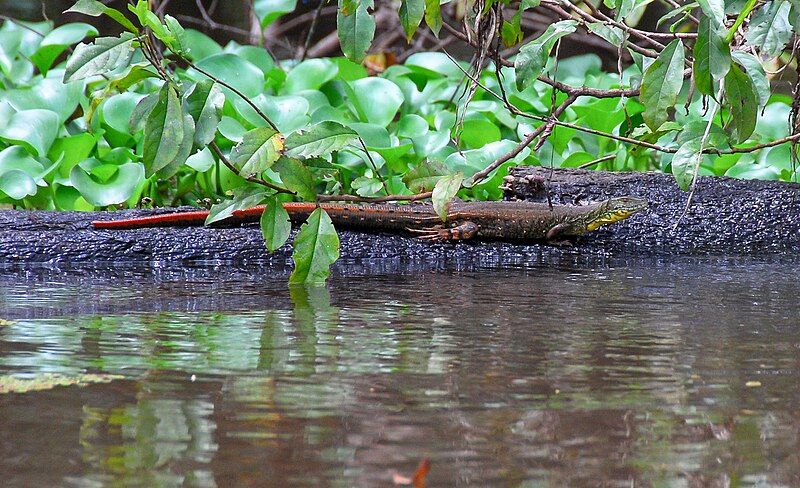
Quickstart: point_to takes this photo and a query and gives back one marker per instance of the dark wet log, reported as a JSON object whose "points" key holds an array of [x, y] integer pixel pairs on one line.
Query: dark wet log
{"points": [[728, 217]]}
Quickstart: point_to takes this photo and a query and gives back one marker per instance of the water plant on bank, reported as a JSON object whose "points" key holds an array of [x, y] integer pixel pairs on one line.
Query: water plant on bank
{"points": [[165, 116]]}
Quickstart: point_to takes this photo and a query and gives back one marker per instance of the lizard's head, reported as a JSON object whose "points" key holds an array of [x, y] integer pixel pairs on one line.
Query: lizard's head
{"points": [[614, 210]]}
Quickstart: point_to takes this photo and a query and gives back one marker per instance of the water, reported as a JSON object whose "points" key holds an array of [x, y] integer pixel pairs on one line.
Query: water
{"points": [[680, 372]]}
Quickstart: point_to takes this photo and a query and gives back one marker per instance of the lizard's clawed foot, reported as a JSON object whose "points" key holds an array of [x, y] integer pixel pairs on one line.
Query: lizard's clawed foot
{"points": [[461, 232]]}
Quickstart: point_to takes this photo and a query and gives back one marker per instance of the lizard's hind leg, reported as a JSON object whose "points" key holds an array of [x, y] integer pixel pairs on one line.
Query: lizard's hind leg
{"points": [[461, 232]]}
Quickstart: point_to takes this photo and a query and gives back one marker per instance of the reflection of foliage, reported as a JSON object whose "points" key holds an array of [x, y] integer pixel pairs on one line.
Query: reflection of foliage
{"points": [[14, 384]]}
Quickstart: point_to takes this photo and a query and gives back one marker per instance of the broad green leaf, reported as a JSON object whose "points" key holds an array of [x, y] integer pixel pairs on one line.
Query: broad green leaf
{"points": [[142, 111], [770, 28], [180, 42], [712, 57], [117, 110], [613, 35], [411, 126], [116, 189], [71, 150], [259, 149], [296, 177], [319, 140], [17, 184], [133, 74], [684, 162], [244, 197], [275, 224], [233, 70], [204, 103], [94, 8], [311, 74], [433, 16], [163, 131], [316, 247], [714, 11], [743, 103], [375, 100], [444, 191], [531, 60], [269, 10], [356, 27], [200, 45], [661, 84], [477, 131], [50, 94], [529, 4], [103, 55], [150, 20], [57, 40], [35, 129], [201, 161], [755, 71], [411, 13], [511, 31]]}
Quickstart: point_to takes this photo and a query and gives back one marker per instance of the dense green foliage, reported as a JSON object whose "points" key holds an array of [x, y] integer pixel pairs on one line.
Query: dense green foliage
{"points": [[165, 116]]}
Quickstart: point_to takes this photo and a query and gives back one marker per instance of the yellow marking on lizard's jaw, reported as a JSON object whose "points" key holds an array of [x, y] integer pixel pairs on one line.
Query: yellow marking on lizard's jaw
{"points": [[610, 218]]}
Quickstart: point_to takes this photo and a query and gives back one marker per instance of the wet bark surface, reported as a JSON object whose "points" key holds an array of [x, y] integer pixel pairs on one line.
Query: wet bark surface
{"points": [[728, 217]]}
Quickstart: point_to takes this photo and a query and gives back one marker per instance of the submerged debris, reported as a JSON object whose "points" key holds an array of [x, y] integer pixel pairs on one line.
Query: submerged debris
{"points": [[48, 381]]}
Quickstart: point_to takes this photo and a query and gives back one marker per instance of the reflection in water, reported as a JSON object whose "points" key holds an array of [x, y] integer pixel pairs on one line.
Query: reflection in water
{"points": [[635, 373]]}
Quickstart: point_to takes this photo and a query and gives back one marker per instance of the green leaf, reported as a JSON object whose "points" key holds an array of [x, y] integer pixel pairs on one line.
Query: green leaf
{"points": [[755, 71], [179, 42], [316, 247], [356, 27], [94, 8], [296, 177], [233, 70], [200, 45], [444, 191], [661, 84], [529, 4], [17, 184], [204, 103], [49, 93], [103, 55], [411, 13], [270, 10], [743, 102], [613, 35], [184, 150], [512, 31], [201, 161], [143, 110], [57, 40], [684, 162], [319, 140], [259, 149], [275, 224], [375, 100], [116, 189], [712, 56], [531, 60], [714, 11], [433, 16], [770, 28], [311, 74], [163, 131], [424, 177], [35, 129]]}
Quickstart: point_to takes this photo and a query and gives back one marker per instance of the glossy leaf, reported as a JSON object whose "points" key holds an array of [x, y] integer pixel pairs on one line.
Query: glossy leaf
{"points": [[714, 11], [755, 71], [275, 224], [316, 247], [204, 103], [269, 10], [57, 41], [163, 131], [319, 140], [35, 129], [103, 55], [311, 74], [17, 184], [743, 100], [235, 71], [661, 84], [411, 13], [94, 8], [444, 191], [259, 149], [356, 27], [712, 57], [116, 189], [376, 100], [531, 60], [184, 150]]}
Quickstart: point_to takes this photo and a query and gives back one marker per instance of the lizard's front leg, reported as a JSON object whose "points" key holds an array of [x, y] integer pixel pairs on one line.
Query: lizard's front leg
{"points": [[463, 231], [556, 237]]}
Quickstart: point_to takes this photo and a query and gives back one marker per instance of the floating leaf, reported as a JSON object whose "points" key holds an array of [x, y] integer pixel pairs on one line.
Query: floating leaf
{"points": [[116, 189], [35, 129], [57, 41], [17, 184], [316, 247], [275, 224], [376, 100]]}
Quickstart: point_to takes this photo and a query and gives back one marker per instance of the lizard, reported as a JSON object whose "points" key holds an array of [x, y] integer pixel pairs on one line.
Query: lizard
{"points": [[465, 220]]}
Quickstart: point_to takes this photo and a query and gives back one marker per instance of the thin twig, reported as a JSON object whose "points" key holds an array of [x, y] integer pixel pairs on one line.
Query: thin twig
{"points": [[249, 178], [374, 166]]}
